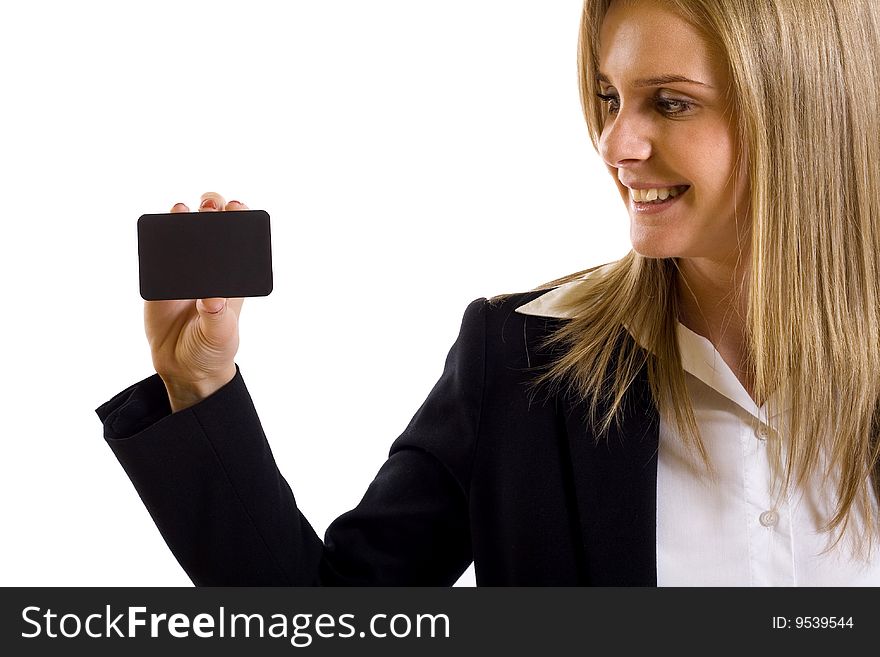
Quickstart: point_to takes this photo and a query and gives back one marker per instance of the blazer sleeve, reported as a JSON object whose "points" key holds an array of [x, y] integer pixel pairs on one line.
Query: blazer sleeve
{"points": [[207, 476]]}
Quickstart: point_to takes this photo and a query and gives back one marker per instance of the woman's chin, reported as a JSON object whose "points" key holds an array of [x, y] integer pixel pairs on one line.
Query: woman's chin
{"points": [[658, 254], [660, 241], [655, 249]]}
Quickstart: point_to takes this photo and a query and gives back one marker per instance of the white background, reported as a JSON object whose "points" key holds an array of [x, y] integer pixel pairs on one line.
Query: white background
{"points": [[413, 156]]}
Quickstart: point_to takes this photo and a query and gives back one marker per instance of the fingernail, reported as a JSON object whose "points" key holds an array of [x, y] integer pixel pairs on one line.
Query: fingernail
{"points": [[209, 203], [238, 202]]}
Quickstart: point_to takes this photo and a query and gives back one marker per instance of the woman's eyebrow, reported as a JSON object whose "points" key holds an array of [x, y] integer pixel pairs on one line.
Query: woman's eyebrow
{"points": [[656, 81]]}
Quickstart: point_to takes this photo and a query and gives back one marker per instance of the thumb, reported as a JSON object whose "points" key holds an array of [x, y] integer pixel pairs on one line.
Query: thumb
{"points": [[211, 309]]}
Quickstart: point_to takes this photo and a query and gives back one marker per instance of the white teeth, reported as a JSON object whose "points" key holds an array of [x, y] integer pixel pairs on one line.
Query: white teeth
{"points": [[647, 195]]}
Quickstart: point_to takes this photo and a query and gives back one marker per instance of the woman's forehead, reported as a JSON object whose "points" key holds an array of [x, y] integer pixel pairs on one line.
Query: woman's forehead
{"points": [[642, 39]]}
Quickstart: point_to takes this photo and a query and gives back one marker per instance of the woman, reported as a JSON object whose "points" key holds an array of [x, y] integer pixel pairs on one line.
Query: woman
{"points": [[701, 412]]}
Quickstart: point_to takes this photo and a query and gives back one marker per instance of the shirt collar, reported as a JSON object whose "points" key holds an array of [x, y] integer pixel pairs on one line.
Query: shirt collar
{"points": [[698, 355]]}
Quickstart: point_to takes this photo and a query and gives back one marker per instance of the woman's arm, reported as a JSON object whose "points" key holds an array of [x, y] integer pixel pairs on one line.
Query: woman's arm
{"points": [[208, 478]]}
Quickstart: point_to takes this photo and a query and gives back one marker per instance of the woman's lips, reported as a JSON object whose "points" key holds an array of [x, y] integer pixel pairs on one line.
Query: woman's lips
{"points": [[655, 207]]}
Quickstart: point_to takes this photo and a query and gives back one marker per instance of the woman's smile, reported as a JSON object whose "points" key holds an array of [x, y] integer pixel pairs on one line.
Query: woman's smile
{"points": [[654, 201]]}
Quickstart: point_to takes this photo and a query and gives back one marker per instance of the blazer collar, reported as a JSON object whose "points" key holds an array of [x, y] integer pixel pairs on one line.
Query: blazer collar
{"points": [[698, 355]]}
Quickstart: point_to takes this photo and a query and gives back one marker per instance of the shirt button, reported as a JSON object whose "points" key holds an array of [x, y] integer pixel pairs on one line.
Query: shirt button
{"points": [[762, 432], [769, 518]]}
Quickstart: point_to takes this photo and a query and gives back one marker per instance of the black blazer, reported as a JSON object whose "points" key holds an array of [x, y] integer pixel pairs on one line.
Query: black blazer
{"points": [[484, 472]]}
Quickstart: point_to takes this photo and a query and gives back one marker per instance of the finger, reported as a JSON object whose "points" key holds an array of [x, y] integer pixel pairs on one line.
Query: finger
{"points": [[211, 202], [236, 303], [236, 205], [213, 306], [180, 207]]}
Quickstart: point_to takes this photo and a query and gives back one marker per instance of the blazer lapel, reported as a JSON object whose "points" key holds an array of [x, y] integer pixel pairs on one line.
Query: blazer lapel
{"points": [[615, 485]]}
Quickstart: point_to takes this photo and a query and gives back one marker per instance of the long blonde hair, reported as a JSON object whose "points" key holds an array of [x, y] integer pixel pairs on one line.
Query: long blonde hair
{"points": [[806, 88]]}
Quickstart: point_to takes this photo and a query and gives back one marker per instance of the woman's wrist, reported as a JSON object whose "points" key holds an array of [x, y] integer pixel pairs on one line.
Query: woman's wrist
{"points": [[183, 394]]}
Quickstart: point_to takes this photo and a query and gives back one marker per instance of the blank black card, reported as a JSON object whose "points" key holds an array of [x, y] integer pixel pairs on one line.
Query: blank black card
{"points": [[199, 255]]}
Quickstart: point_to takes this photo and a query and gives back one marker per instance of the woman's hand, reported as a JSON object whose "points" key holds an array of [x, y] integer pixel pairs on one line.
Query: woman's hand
{"points": [[194, 341]]}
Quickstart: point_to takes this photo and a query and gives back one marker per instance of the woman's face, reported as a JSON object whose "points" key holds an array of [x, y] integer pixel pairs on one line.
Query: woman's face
{"points": [[668, 134]]}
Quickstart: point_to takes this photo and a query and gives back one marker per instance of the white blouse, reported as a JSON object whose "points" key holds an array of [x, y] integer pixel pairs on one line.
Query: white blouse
{"points": [[728, 532]]}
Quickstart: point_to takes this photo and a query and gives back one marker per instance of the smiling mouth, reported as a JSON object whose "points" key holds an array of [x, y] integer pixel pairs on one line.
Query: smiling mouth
{"points": [[656, 205], [656, 195]]}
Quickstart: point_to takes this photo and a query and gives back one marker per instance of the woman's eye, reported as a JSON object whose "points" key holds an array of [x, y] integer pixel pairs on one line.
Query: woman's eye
{"points": [[668, 106], [672, 106], [609, 102]]}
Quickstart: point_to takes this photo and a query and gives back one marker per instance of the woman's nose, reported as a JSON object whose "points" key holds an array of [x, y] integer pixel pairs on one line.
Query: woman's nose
{"points": [[626, 137]]}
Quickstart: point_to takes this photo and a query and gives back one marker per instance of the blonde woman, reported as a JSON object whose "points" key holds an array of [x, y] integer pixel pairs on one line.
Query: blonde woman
{"points": [[701, 412]]}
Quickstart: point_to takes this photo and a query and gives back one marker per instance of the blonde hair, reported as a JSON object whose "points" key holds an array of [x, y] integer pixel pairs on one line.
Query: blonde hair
{"points": [[804, 85]]}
